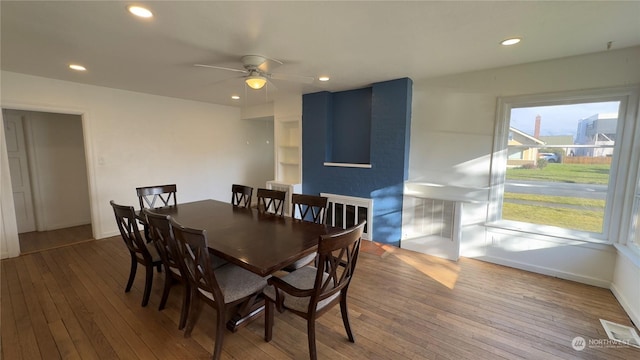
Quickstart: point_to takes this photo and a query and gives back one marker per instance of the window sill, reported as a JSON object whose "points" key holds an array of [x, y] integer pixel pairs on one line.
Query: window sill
{"points": [[548, 233], [629, 253], [349, 165]]}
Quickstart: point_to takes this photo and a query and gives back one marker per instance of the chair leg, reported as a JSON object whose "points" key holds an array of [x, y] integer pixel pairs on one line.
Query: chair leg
{"points": [[132, 273], [186, 303], [168, 281], [268, 319], [194, 312], [345, 318], [147, 284], [311, 335], [220, 328]]}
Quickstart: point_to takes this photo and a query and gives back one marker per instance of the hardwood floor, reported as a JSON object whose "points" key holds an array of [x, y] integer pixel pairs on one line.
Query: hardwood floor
{"points": [[69, 303], [43, 240]]}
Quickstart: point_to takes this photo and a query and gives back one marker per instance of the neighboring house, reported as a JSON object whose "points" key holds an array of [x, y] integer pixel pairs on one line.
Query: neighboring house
{"points": [[598, 129], [562, 140], [519, 154]]}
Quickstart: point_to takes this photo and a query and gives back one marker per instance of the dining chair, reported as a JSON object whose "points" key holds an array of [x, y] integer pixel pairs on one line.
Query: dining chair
{"points": [[307, 208], [141, 252], [241, 195], [271, 201], [311, 291], [225, 288], [148, 195], [161, 233]]}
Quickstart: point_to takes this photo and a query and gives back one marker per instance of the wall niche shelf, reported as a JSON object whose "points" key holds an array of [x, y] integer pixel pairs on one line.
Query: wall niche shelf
{"points": [[348, 165], [288, 139]]}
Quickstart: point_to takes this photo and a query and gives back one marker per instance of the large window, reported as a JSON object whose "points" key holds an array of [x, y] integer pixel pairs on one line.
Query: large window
{"points": [[561, 164]]}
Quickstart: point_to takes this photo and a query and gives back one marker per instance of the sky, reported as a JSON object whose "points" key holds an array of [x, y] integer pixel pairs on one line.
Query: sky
{"points": [[558, 119]]}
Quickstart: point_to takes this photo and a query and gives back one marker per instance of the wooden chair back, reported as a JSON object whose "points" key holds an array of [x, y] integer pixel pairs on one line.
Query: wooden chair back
{"points": [[337, 257], [271, 201], [194, 253], [128, 226], [309, 207], [164, 195], [241, 195], [161, 233]]}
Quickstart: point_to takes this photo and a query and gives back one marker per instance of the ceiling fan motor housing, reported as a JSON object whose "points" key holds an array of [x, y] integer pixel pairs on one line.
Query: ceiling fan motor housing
{"points": [[252, 61]]}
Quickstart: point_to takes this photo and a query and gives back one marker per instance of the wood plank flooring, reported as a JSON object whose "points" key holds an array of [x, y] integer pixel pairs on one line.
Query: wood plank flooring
{"points": [[35, 241], [69, 303]]}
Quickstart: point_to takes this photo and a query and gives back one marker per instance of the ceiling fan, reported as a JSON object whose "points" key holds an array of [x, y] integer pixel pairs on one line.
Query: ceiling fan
{"points": [[256, 71]]}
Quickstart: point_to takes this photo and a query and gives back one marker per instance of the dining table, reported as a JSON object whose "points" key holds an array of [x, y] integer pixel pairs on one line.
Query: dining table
{"points": [[257, 241]]}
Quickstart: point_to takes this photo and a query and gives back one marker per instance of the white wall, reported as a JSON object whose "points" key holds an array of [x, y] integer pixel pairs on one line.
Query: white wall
{"points": [[626, 283], [451, 143], [134, 139]]}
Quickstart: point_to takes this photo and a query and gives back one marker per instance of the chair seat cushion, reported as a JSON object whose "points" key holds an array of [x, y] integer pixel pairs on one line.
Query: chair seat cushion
{"points": [[216, 261], [303, 278], [236, 283], [302, 262]]}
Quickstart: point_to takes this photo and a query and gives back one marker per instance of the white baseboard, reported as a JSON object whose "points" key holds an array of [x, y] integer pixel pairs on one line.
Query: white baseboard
{"points": [[67, 225], [626, 305], [107, 234], [547, 271]]}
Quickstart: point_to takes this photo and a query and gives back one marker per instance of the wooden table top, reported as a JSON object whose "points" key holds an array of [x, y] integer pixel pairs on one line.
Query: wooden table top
{"points": [[261, 243]]}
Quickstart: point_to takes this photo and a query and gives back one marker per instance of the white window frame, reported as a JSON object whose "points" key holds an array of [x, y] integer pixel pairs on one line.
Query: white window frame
{"points": [[619, 209]]}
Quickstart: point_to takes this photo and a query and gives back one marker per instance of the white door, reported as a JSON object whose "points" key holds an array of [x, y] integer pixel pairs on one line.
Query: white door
{"points": [[19, 169]]}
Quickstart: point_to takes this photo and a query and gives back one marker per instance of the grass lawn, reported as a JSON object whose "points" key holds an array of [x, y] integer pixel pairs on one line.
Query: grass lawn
{"points": [[568, 173], [579, 214], [564, 200], [584, 220]]}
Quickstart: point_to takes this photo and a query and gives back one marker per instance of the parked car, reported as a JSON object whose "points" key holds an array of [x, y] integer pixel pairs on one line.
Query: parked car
{"points": [[550, 157]]}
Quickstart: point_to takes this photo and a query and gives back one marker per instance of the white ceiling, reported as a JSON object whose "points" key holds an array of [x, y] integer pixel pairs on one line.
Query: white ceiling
{"points": [[355, 43]]}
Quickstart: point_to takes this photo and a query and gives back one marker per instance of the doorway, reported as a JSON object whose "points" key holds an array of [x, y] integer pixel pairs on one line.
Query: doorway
{"points": [[47, 165]]}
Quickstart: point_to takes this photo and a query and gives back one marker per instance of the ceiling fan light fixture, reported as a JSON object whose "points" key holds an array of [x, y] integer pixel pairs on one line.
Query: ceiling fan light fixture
{"points": [[256, 82]]}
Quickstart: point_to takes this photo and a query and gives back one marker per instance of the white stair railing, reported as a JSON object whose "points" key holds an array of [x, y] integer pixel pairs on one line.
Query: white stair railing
{"points": [[345, 211]]}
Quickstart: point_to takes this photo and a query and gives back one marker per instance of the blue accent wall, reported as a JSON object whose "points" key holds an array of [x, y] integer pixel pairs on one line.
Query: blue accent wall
{"points": [[331, 119], [351, 117]]}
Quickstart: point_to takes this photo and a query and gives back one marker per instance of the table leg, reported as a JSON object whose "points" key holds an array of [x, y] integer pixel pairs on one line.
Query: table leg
{"points": [[247, 311]]}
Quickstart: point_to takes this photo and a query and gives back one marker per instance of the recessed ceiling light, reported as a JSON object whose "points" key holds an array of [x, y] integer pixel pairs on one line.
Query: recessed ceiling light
{"points": [[235, 97], [323, 78], [510, 41], [140, 11], [77, 67]]}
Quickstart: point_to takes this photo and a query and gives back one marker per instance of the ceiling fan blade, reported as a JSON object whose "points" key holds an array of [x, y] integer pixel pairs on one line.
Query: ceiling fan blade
{"points": [[269, 64], [235, 79], [220, 68], [291, 77]]}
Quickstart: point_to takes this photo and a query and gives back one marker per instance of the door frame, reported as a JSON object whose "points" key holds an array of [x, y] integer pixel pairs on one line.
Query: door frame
{"points": [[6, 202]]}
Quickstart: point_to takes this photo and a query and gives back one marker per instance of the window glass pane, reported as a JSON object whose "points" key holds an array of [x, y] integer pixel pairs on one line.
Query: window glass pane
{"points": [[558, 165]]}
